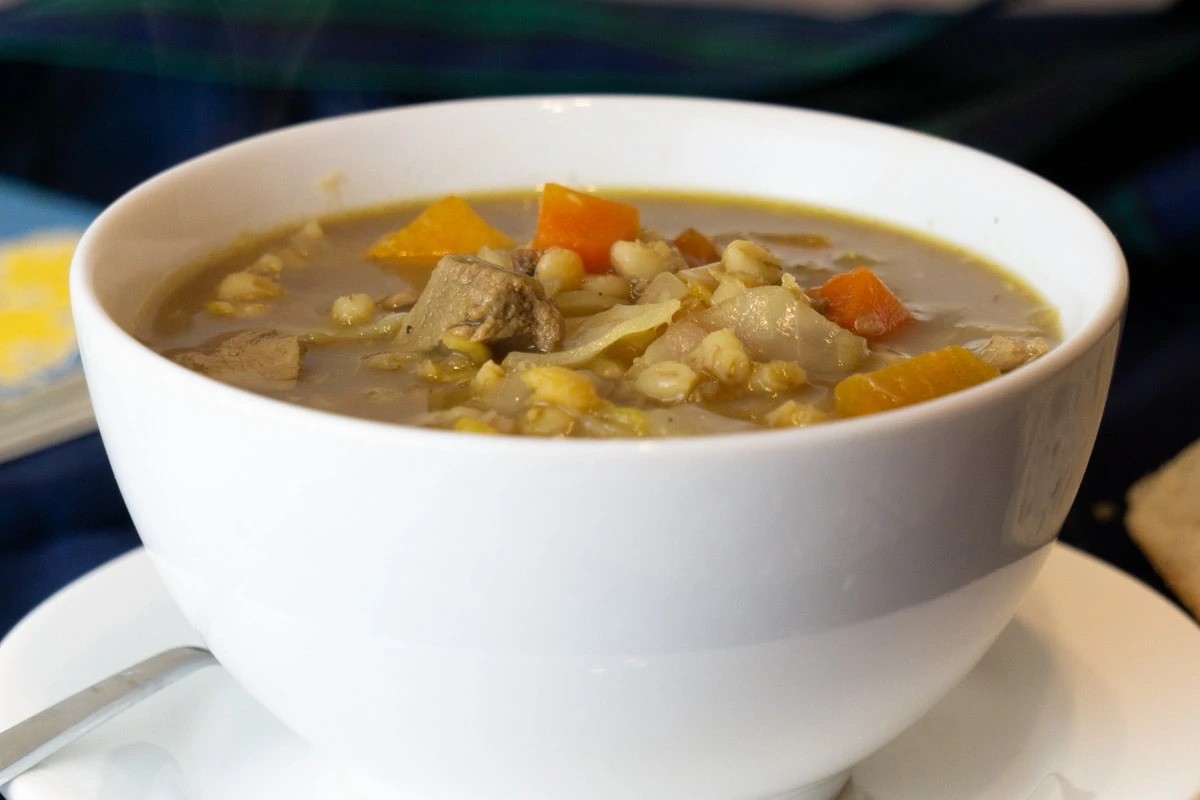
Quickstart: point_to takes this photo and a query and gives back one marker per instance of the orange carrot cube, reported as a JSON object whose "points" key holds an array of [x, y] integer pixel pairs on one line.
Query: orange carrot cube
{"points": [[587, 224], [860, 302], [922, 377], [697, 249]]}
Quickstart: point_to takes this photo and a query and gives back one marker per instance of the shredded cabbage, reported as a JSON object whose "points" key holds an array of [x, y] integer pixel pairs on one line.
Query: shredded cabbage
{"points": [[587, 337], [687, 419], [676, 342], [663, 286], [774, 325], [383, 328]]}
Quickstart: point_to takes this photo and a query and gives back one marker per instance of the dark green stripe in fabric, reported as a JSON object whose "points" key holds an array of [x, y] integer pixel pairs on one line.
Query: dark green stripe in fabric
{"points": [[416, 80], [1068, 95], [703, 36], [1125, 213]]}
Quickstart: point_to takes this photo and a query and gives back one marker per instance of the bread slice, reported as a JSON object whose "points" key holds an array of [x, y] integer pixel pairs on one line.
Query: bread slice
{"points": [[1163, 517]]}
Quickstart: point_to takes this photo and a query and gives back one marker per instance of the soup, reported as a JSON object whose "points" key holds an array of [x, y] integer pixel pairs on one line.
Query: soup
{"points": [[562, 313]]}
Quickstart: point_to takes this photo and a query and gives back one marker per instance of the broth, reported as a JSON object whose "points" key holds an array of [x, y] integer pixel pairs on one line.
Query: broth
{"points": [[357, 361]]}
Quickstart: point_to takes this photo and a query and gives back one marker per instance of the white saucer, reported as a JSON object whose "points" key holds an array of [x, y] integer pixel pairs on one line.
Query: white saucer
{"points": [[1092, 693]]}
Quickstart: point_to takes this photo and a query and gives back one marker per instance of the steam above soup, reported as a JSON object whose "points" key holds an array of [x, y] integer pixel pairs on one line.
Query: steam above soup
{"points": [[567, 314]]}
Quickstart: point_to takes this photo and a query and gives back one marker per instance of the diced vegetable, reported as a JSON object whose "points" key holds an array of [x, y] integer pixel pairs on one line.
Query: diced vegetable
{"points": [[471, 425], [860, 302], [448, 226], [697, 249], [687, 419], [384, 327], [488, 378], [665, 286], [476, 352], [729, 286], [243, 287], [631, 419], [560, 386], [922, 377], [587, 224], [1006, 353], [546, 421], [679, 339]]}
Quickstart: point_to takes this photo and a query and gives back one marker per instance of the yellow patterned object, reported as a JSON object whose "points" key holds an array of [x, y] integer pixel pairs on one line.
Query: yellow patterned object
{"points": [[37, 337]]}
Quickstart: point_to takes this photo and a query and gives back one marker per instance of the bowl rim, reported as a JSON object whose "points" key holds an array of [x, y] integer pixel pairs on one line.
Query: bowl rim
{"points": [[1108, 315]]}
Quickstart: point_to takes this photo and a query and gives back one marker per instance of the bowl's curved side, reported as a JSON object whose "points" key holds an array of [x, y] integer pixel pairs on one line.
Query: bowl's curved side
{"points": [[417, 614], [721, 617]]}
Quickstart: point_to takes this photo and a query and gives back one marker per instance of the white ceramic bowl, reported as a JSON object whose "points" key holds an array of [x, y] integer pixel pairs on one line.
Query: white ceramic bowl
{"points": [[738, 616]]}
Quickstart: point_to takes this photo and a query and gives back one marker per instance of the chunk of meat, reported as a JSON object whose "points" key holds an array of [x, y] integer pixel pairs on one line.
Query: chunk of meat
{"points": [[254, 359], [1006, 353], [524, 260], [470, 297]]}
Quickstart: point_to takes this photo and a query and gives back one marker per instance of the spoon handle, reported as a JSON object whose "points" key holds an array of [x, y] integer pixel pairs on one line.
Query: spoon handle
{"points": [[46, 732]]}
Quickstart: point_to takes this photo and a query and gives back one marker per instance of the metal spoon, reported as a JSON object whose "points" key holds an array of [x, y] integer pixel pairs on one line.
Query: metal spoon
{"points": [[30, 742], [46, 732]]}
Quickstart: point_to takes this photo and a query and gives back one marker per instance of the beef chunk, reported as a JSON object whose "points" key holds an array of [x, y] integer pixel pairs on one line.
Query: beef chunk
{"points": [[254, 359], [524, 260], [476, 299], [1006, 353]]}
